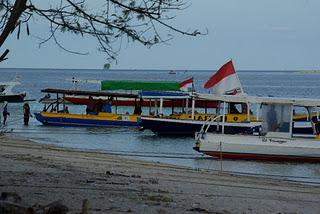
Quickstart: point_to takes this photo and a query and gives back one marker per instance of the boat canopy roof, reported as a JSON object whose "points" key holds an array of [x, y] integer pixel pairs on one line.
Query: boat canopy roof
{"points": [[140, 86], [89, 93], [164, 95], [244, 98]]}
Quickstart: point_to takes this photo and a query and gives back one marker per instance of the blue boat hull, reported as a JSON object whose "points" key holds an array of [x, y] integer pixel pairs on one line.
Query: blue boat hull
{"points": [[187, 129], [63, 121], [172, 127]]}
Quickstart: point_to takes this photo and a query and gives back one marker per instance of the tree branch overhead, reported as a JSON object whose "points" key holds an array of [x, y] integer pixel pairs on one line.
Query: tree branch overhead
{"points": [[108, 21]]}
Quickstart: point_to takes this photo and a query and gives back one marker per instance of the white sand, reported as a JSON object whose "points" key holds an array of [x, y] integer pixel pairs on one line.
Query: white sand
{"points": [[41, 174]]}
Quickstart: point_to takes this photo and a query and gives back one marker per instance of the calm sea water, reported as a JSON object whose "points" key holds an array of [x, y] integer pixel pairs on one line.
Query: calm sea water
{"points": [[145, 145]]}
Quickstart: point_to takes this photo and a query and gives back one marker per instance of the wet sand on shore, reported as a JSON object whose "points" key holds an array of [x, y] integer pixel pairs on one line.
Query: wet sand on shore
{"points": [[41, 174]]}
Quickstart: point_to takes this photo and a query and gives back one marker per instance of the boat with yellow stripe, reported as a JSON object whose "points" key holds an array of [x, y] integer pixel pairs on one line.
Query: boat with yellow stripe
{"points": [[238, 118], [57, 113], [101, 119]]}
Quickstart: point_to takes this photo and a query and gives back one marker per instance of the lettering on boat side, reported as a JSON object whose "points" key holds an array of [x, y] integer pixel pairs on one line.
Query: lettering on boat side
{"points": [[277, 141]]}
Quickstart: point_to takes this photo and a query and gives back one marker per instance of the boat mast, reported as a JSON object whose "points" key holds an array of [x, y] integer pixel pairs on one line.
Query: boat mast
{"points": [[193, 107], [161, 106], [291, 121], [224, 116]]}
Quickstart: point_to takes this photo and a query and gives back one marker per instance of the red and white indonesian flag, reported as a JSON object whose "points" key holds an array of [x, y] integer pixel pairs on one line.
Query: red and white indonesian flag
{"points": [[186, 85], [225, 80]]}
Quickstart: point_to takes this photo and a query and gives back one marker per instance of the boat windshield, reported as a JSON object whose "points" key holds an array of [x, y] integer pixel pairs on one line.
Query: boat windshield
{"points": [[276, 118]]}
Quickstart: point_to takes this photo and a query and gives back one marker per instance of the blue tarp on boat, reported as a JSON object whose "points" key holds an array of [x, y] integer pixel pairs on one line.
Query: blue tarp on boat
{"points": [[163, 94]]}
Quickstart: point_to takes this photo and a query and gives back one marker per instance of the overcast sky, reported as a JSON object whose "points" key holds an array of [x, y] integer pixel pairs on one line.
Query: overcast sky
{"points": [[257, 35]]}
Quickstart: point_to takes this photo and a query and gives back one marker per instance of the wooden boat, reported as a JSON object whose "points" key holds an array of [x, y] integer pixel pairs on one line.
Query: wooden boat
{"points": [[101, 119], [188, 123], [236, 121], [57, 114], [276, 140], [168, 126], [6, 93]]}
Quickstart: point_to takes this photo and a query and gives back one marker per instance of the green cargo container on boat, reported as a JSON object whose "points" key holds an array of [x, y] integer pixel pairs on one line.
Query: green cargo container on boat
{"points": [[143, 86]]}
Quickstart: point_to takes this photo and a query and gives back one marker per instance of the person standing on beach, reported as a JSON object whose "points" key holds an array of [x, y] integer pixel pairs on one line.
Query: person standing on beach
{"points": [[5, 112], [26, 113]]}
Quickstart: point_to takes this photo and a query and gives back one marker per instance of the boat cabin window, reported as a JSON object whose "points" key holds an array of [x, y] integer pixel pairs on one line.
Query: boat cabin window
{"points": [[237, 108], [276, 118], [301, 114], [234, 108]]}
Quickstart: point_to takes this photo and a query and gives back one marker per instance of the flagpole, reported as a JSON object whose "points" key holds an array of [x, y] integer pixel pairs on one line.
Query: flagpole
{"points": [[192, 85], [241, 89]]}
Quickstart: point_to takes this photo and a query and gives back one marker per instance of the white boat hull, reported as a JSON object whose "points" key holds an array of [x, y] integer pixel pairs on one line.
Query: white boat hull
{"points": [[258, 148]]}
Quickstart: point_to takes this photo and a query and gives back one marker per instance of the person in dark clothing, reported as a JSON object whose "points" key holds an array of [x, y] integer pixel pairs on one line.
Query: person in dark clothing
{"points": [[5, 112], [99, 106], [90, 105], [316, 123], [272, 119], [26, 114], [137, 108], [107, 107]]}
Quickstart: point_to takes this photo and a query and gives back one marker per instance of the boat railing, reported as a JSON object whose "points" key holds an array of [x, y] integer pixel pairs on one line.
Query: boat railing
{"points": [[205, 127], [53, 105]]}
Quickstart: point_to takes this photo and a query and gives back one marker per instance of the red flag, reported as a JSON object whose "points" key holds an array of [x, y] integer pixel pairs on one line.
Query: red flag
{"points": [[226, 70], [186, 85]]}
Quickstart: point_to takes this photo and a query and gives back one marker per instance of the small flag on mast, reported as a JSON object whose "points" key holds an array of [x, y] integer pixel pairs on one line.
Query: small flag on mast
{"points": [[186, 85]]}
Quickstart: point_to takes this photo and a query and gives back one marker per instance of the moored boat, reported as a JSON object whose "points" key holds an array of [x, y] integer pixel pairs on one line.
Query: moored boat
{"points": [[238, 119], [101, 119], [6, 93], [57, 112], [269, 148], [276, 140]]}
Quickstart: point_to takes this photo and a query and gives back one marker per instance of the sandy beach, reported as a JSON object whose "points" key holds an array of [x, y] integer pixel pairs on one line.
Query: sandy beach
{"points": [[41, 174]]}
